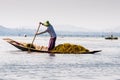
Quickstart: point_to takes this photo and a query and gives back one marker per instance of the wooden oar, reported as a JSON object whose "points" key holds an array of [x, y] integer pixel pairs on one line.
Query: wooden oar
{"points": [[33, 39]]}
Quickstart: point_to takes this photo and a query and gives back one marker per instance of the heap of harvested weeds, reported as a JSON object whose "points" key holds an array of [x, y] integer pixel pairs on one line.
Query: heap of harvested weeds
{"points": [[69, 48]]}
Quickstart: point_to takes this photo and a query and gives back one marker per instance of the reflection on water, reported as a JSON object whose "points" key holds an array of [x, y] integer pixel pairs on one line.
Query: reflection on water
{"points": [[18, 65]]}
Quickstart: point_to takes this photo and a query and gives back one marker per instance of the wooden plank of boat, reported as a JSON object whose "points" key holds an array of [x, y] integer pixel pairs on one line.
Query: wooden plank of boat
{"points": [[41, 49]]}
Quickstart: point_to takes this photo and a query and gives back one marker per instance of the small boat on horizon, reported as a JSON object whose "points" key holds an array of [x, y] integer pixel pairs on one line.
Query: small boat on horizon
{"points": [[111, 38]]}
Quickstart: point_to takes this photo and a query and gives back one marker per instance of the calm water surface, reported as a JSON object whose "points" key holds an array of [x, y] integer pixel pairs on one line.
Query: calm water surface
{"points": [[18, 65]]}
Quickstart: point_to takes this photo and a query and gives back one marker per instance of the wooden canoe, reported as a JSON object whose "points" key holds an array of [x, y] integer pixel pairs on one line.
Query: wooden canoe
{"points": [[41, 49]]}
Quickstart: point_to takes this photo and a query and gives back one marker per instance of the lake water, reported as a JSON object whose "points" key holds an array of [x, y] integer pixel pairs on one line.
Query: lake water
{"points": [[19, 65]]}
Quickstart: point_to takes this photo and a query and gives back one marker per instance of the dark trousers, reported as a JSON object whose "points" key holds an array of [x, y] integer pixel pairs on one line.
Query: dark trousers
{"points": [[51, 43]]}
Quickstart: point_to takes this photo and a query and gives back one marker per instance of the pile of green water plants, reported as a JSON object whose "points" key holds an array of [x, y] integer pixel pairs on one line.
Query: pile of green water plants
{"points": [[69, 48]]}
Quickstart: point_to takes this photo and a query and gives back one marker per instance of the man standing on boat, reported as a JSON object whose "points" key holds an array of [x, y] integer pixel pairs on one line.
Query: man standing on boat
{"points": [[52, 33]]}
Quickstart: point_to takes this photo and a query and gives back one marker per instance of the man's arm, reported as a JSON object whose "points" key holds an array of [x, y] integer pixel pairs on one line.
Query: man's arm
{"points": [[42, 23], [41, 32]]}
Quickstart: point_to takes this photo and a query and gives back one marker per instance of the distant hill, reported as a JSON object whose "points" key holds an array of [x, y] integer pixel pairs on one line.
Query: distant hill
{"points": [[15, 31], [70, 28], [4, 31]]}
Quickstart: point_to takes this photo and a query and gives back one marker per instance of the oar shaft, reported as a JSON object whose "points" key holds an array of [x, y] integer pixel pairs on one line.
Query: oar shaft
{"points": [[34, 38], [35, 34]]}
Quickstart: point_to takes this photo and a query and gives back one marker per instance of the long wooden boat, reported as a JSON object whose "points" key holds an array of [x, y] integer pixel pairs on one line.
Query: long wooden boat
{"points": [[22, 46]]}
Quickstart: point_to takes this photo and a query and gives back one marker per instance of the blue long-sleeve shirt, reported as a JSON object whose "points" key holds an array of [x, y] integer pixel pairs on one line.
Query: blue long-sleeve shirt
{"points": [[50, 30]]}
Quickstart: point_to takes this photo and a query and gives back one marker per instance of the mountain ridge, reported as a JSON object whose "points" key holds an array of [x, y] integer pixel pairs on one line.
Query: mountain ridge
{"points": [[4, 31]]}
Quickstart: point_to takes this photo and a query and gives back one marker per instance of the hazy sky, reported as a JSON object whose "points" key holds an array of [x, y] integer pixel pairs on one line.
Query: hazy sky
{"points": [[91, 14]]}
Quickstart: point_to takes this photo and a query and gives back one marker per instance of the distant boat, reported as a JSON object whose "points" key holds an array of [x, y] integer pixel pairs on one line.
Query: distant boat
{"points": [[111, 38]]}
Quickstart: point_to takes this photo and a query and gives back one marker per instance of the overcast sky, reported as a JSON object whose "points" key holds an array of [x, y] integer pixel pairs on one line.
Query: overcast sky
{"points": [[90, 14]]}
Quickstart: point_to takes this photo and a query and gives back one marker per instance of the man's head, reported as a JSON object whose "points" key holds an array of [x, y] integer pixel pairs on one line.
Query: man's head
{"points": [[47, 24]]}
